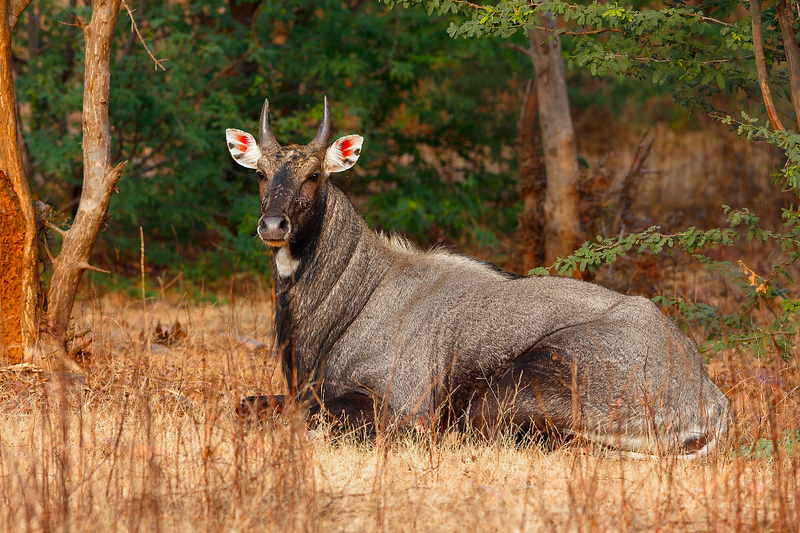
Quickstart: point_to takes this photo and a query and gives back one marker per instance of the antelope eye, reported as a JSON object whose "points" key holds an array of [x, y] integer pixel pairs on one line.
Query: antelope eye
{"points": [[314, 176], [260, 175]]}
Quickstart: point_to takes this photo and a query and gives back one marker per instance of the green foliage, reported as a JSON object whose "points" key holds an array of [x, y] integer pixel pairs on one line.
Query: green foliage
{"points": [[391, 76], [678, 45], [699, 51], [787, 443], [722, 330]]}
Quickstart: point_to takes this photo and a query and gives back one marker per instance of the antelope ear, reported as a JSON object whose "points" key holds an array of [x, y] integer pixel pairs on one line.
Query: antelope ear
{"points": [[243, 147], [343, 153]]}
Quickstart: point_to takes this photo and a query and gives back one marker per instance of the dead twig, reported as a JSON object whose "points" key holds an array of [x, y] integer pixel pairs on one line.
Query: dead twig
{"points": [[135, 28]]}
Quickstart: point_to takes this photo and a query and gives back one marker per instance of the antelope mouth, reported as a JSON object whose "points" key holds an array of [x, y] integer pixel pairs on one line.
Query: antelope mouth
{"points": [[275, 244]]}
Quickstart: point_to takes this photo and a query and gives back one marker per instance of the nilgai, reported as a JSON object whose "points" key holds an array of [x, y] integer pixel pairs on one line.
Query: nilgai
{"points": [[369, 327]]}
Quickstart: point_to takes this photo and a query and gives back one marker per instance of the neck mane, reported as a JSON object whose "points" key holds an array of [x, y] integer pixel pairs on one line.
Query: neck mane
{"points": [[332, 271]]}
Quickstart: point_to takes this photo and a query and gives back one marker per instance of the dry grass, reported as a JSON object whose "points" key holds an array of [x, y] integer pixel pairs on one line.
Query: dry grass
{"points": [[148, 442]]}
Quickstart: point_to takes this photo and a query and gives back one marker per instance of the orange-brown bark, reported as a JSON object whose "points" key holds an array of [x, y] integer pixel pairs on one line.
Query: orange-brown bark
{"points": [[12, 243], [24, 302]]}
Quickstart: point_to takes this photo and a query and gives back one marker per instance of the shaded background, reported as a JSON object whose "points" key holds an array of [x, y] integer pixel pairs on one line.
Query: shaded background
{"points": [[439, 116]]}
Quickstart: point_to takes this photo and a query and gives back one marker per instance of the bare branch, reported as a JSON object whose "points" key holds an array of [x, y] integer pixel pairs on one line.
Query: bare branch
{"points": [[709, 19], [135, 28], [761, 66], [86, 266], [587, 32], [702, 17], [55, 228], [522, 49], [47, 251], [132, 37], [657, 60], [470, 4]]}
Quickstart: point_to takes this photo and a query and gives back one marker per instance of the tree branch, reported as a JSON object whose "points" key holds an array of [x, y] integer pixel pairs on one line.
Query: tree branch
{"points": [[657, 60], [99, 176], [761, 66], [86, 266], [17, 7], [786, 19], [587, 32], [709, 19], [522, 49], [132, 37], [135, 28], [55, 228]]}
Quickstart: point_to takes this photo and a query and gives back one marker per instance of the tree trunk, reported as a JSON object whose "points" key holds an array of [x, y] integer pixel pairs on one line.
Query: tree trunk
{"points": [[19, 280], [19, 283], [99, 177], [786, 21], [562, 205], [531, 178]]}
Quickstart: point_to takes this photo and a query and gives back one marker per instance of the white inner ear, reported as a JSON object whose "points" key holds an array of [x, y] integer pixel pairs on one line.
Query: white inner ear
{"points": [[243, 147], [343, 153]]}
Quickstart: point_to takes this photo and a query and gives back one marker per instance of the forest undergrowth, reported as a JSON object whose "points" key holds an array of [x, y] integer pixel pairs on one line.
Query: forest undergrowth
{"points": [[147, 440]]}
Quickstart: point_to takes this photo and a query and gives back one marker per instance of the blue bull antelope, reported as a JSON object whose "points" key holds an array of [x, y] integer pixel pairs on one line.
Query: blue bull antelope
{"points": [[369, 324]]}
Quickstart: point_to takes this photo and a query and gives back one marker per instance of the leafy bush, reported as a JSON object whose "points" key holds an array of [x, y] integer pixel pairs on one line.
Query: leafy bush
{"points": [[700, 51]]}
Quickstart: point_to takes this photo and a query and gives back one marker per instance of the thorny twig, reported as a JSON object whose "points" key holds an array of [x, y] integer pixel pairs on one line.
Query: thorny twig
{"points": [[135, 28]]}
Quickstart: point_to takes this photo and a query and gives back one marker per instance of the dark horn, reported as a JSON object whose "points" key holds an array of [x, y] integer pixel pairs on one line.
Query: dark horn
{"points": [[267, 140], [324, 132]]}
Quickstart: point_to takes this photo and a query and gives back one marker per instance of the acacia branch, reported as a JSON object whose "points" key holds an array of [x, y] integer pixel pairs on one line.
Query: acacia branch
{"points": [[710, 19], [55, 228], [761, 66], [577, 33], [657, 60], [470, 4], [135, 28]]}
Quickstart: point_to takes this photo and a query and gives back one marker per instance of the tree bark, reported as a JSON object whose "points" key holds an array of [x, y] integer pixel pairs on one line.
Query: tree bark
{"points": [[562, 205], [761, 65], [20, 307], [12, 245], [531, 178], [14, 9], [786, 20], [99, 177]]}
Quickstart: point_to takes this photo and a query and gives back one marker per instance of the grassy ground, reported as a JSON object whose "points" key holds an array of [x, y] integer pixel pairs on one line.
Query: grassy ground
{"points": [[147, 442]]}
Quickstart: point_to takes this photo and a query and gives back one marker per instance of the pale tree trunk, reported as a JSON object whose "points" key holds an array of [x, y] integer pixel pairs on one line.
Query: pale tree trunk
{"points": [[99, 176], [19, 283], [562, 204], [531, 179]]}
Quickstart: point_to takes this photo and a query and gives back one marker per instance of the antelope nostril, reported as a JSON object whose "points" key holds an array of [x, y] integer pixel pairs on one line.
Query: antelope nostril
{"points": [[274, 228]]}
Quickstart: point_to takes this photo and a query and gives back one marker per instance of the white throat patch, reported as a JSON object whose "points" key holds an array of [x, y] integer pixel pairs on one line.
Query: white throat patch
{"points": [[285, 263]]}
